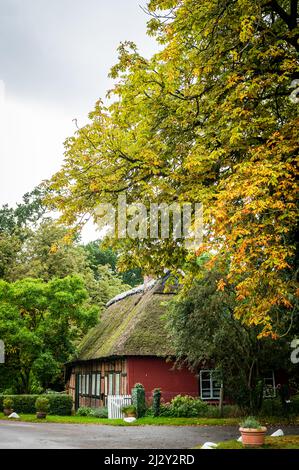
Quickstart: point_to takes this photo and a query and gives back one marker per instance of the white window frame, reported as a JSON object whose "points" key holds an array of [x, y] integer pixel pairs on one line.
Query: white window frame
{"points": [[273, 385], [212, 389]]}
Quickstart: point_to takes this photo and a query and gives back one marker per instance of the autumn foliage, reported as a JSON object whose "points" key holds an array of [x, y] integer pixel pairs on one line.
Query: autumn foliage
{"points": [[208, 118]]}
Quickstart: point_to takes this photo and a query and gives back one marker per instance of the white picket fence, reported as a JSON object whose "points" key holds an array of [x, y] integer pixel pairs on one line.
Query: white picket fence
{"points": [[115, 405]]}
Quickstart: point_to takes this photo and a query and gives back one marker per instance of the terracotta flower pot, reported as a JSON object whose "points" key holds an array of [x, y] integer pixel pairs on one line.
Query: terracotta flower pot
{"points": [[7, 411], [41, 414], [253, 437]]}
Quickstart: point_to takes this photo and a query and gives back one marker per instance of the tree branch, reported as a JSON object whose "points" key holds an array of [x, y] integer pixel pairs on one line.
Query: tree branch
{"points": [[283, 14], [294, 14]]}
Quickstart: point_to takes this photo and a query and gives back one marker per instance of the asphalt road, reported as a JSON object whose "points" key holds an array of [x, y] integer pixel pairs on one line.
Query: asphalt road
{"points": [[20, 435]]}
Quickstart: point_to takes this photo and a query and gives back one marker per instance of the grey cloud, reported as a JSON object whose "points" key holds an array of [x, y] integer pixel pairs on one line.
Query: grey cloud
{"points": [[63, 49]]}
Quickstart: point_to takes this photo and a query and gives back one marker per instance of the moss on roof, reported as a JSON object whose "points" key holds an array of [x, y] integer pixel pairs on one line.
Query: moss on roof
{"points": [[132, 326]]}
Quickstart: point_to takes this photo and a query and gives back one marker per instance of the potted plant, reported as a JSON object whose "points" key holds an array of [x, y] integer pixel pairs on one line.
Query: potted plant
{"points": [[130, 413], [42, 407], [253, 434], [7, 406]]}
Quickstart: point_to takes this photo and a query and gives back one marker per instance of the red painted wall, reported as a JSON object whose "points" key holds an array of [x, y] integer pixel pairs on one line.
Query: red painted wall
{"points": [[153, 372]]}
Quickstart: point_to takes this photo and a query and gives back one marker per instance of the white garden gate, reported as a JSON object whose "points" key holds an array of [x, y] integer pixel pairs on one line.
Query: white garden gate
{"points": [[115, 405]]}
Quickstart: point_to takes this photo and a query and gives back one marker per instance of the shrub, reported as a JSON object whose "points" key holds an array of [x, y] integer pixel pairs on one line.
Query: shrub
{"points": [[42, 404], [149, 411], [156, 401], [129, 410], [250, 423], [100, 412], [8, 403], [271, 407], [166, 410], [274, 407], [8, 391], [294, 405], [59, 404], [23, 403], [138, 385], [229, 411], [212, 411], [186, 406], [85, 411], [232, 411], [138, 399]]}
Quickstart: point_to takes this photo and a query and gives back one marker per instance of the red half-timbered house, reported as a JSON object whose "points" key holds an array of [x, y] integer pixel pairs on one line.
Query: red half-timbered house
{"points": [[130, 345]]}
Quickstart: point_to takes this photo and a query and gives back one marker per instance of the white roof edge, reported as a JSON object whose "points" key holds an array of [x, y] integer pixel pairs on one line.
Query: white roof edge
{"points": [[136, 290]]}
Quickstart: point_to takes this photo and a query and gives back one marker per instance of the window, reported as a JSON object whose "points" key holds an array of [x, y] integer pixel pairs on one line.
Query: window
{"points": [[112, 383], [269, 386], [83, 389], [209, 385], [98, 385], [110, 386], [93, 384], [79, 384], [106, 385], [117, 384], [87, 385]]}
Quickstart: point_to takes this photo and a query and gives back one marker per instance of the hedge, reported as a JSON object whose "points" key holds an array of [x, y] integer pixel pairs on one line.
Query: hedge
{"points": [[59, 404]]}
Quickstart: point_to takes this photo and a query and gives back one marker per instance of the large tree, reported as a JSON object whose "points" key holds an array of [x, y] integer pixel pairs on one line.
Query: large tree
{"points": [[40, 334], [43, 254], [33, 245], [16, 226], [26, 213], [40, 324], [206, 334], [208, 119]]}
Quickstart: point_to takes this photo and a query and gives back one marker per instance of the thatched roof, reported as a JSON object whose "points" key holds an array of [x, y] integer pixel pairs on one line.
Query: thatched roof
{"points": [[130, 326]]}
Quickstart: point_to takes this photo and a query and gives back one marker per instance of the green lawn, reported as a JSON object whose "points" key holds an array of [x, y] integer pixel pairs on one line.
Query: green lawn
{"points": [[160, 421], [119, 422], [282, 442]]}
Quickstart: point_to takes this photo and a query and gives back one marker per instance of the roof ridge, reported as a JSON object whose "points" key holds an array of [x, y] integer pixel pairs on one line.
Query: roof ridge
{"points": [[136, 290]]}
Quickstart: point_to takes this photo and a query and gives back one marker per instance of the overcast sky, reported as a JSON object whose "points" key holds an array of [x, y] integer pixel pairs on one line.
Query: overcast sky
{"points": [[55, 56]]}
